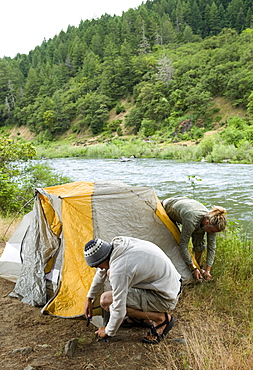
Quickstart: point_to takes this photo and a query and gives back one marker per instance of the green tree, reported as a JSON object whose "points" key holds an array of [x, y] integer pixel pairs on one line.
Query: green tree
{"points": [[249, 18], [179, 16], [233, 10], [97, 45], [239, 86], [134, 119], [143, 66], [168, 33], [188, 34], [11, 81], [77, 54], [240, 20], [148, 127], [114, 30], [196, 19], [214, 20], [152, 101], [32, 86], [93, 112], [198, 100], [250, 105], [11, 154]]}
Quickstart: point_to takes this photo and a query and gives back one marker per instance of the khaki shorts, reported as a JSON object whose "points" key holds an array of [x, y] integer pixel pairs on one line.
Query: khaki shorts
{"points": [[148, 300]]}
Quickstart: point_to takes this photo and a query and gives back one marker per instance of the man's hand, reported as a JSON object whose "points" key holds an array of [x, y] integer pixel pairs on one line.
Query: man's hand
{"points": [[101, 332], [88, 308]]}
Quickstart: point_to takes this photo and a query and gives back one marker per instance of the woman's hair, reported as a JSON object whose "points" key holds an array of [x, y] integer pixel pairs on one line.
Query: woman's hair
{"points": [[217, 217]]}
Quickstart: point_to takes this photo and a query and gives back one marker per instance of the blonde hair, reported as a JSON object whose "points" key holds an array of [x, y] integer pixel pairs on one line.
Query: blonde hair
{"points": [[217, 217]]}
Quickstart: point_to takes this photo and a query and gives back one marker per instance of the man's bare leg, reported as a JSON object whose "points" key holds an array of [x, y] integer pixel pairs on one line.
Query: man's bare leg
{"points": [[156, 317], [106, 300]]}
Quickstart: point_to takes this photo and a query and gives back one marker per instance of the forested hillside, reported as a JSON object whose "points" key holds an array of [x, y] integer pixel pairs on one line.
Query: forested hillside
{"points": [[164, 64]]}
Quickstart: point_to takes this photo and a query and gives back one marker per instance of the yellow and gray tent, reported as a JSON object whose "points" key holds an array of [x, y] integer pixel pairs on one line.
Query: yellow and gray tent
{"points": [[45, 254]]}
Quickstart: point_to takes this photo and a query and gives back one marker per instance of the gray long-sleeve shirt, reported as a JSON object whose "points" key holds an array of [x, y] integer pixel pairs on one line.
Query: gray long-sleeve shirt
{"points": [[139, 264], [190, 213]]}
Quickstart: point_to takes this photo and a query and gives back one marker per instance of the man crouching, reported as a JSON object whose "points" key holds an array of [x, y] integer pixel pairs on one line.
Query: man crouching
{"points": [[145, 285]]}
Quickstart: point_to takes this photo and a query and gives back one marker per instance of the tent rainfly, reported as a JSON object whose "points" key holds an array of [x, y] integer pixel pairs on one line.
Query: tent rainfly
{"points": [[44, 257]]}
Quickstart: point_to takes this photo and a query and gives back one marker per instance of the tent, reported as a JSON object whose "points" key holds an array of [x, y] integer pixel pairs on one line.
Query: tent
{"points": [[44, 257]]}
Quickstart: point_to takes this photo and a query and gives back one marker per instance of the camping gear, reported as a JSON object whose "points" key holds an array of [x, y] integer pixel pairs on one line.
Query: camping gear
{"points": [[45, 255]]}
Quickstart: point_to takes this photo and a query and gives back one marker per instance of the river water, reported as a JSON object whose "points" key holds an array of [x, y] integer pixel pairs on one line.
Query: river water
{"points": [[223, 184]]}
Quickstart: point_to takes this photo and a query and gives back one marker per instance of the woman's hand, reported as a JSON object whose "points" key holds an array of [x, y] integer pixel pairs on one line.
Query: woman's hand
{"points": [[196, 274], [207, 276]]}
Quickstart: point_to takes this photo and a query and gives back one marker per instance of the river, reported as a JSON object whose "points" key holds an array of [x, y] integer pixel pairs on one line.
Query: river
{"points": [[223, 184]]}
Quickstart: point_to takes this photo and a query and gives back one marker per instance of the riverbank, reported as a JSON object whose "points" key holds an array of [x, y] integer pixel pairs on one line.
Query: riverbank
{"points": [[210, 149]]}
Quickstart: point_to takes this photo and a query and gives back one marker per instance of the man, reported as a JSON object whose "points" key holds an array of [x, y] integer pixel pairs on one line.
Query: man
{"points": [[145, 284], [196, 220]]}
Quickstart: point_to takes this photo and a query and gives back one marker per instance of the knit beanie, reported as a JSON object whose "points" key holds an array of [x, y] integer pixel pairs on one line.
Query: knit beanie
{"points": [[96, 251]]}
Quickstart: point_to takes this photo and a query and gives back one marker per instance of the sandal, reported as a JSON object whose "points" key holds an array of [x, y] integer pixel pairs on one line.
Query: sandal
{"points": [[159, 337], [133, 323]]}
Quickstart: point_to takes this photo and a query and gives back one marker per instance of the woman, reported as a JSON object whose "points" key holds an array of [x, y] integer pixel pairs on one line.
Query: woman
{"points": [[196, 221]]}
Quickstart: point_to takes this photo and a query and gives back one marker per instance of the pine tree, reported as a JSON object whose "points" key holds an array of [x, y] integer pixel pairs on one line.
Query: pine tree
{"points": [[165, 70], [214, 20], [144, 46]]}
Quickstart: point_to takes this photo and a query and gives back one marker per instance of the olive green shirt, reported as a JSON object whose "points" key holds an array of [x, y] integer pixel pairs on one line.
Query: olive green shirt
{"points": [[190, 213]]}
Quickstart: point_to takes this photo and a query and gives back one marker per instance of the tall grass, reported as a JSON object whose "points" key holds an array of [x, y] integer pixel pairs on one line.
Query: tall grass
{"points": [[234, 270], [215, 319], [208, 149], [100, 150], [209, 345], [7, 226]]}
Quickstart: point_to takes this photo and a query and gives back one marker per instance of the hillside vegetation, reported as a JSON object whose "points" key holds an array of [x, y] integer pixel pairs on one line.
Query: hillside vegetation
{"points": [[153, 82], [159, 69]]}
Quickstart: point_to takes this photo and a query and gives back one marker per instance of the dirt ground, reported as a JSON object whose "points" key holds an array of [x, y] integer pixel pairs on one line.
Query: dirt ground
{"points": [[29, 338]]}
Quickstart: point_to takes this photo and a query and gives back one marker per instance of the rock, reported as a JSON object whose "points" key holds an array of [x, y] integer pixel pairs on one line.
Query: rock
{"points": [[23, 350], [70, 347], [179, 340], [138, 357]]}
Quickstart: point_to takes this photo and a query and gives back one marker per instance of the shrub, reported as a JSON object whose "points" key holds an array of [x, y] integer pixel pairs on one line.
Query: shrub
{"points": [[221, 153], [18, 193], [134, 119], [206, 146], [114, 124], [120, 108], [148, 127], [232, 136]]}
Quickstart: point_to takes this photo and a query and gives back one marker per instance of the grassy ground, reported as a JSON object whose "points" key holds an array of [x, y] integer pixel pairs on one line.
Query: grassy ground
{"points": [[7, 226]]}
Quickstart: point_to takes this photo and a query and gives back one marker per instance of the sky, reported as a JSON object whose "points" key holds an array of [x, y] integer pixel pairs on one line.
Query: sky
{"points": [[24, 24]]}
